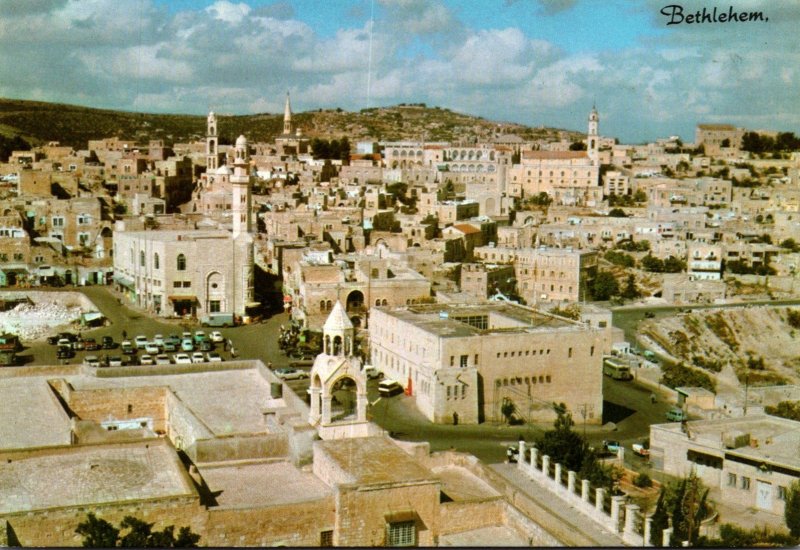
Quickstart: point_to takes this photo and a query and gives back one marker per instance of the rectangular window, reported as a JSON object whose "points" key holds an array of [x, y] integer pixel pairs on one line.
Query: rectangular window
{"points": [[402, 533], [463, 391], [452, 360], [464, 359], [569, 352], [176, 284], [476, 359], [187, 284], [591, 351], [214, 306], [781, 492], [326, 539], [745, 483], [448, 392]]}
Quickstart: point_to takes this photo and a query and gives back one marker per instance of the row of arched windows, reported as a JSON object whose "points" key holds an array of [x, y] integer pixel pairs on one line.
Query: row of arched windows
{"points": [[180, 261]]}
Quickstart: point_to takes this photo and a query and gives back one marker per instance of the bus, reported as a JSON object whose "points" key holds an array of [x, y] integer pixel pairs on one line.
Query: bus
{"points": [[616, 369]]}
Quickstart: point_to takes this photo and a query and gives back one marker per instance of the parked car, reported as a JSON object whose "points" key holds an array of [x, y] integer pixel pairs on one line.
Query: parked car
{"points": [[641, 449], [214, 357], [65, 352], [64, 343], [187, 344], [128, 349], [169, 345], [372, 372], [186, 334], [53, 340], [162, 359], [153, 348], [206, 345], [288, 373], [217, 337], [78, 345], [91, 361], [182, 359], [141, 341], [611, 446], [199, 336], [676, 415], [115, 361], [172, 338], [90, 344], [108, 342], [388, 388], [147, 359], [198, 357], [218, 320], [158, 340]]}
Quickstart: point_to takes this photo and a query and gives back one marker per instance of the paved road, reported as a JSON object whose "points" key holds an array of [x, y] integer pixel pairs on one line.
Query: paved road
{"points": [[257, 341]]}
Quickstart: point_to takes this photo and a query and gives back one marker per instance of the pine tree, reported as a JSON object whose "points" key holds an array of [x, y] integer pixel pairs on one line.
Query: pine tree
{"points": [[660, 520]]}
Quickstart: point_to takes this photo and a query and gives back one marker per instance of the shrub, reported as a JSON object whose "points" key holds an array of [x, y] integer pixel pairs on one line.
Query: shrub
{"points": [[643, 480]]}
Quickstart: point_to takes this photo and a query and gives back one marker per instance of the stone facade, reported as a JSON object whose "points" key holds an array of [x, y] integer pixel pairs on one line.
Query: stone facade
{"points": [[470, 360]]}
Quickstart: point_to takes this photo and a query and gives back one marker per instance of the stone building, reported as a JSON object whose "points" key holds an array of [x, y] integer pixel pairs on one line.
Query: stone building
{"points": [[227, 451], [192, 272], [716, 137], [462, 363], [547, 274], [750, 460]]}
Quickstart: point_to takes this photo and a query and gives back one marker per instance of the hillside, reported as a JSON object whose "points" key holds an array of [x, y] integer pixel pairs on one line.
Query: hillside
{"points": [[39, 122]]}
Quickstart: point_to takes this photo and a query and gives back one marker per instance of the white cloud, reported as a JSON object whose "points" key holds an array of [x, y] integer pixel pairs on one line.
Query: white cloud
{"points": [[228, 12]]}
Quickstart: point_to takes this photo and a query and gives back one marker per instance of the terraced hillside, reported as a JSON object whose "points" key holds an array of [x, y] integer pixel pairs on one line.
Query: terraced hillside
{"points": [[760, 342], [39, 122]]}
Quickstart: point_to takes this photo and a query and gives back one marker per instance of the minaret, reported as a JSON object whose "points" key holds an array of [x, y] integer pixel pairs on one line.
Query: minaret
{"points": [[287, 116], [240, 184], [212, 157], [593, 139]]}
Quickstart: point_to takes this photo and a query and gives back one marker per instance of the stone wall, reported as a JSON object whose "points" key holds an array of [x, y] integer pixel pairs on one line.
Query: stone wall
{"points": [[56, 527], [241, 447], [455, 517], [362, 514], [41, 370], [104, 404], [297, 524], [183, 427]]}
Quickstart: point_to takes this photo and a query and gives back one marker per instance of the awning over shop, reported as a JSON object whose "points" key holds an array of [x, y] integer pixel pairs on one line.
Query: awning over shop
{"points": [[124, 281], [182, 298], [252, 304]]}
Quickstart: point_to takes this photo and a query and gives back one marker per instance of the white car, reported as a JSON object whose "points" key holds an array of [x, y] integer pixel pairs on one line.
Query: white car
{"points": [[162, 359], [183, 359], [198, 357], [217, 337], [214, 357], [158, 340], [147, 360], [91, 361], [141, 341], [115, 361], [153, 348], [288, 373]]}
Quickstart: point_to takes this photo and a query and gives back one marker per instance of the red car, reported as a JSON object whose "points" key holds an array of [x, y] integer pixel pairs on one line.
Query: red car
{"points": [[90, 344]]}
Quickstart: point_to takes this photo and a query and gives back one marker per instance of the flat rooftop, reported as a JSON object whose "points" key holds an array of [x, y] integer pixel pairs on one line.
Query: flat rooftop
{"points": [[264, 484], [772, 439], [30, 415], [461, 320], [485, 537], [461, 485], [171, 235], [226, 401], [91, 475], [373, 460]]}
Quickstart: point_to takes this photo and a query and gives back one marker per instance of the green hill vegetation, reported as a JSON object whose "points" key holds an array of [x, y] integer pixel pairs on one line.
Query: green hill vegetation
{"points": [[39, 122]]}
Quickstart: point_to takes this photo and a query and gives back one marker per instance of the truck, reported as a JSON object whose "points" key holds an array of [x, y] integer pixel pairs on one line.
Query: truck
{"points": [[218, 320], [616, 369]]}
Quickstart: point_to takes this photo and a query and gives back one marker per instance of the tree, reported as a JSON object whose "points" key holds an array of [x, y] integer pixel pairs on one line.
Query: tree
{"points": [[689, 509], [619, 258], [605, 286], [577, 146], [792, 509], [617, 213], [660, 520], [653, 264], [791, 244], [98, 533], [631, 291]]}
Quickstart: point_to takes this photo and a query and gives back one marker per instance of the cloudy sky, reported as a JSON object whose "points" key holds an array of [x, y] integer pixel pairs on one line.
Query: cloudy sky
{"points": [[537, 62]]}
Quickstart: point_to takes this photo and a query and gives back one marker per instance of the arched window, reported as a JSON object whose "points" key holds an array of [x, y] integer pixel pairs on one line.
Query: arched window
{"points": [[156, 262], [322, 305], [181, 262], [141, 258]]}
